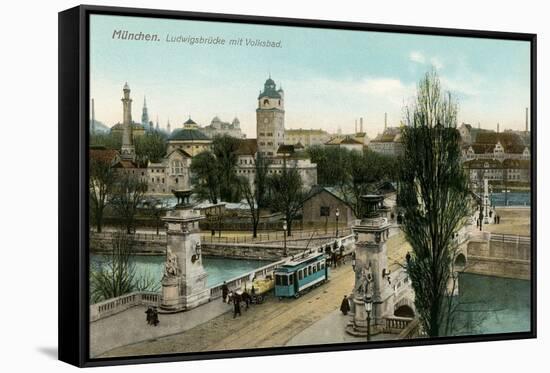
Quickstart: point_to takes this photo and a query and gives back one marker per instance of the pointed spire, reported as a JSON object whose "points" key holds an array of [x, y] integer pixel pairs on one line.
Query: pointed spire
{"points": [[144, 102]]}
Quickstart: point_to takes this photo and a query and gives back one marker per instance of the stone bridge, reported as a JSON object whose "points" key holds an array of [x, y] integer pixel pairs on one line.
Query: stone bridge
{"points": [[498, 255]]}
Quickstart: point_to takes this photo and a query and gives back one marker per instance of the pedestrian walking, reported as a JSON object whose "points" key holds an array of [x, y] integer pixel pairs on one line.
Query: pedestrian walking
{"points": [[236, 305], [344, 307], [149, 313], [155, 317], [225, 291]]}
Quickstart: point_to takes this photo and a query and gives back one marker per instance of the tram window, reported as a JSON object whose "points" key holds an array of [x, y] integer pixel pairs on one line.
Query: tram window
{"points": [[309, 270], [300, 274], [284, 280], [290, 280], [277, 280], [323, 264], [318, 266], [314, 268]]}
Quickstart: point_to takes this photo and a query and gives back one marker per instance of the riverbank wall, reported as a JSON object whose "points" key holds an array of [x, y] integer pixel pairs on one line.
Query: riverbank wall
{"points": [[500, 255]]}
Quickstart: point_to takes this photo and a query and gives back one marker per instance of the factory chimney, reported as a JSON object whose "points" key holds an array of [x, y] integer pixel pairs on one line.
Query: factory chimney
{"points": [[361, 124]]}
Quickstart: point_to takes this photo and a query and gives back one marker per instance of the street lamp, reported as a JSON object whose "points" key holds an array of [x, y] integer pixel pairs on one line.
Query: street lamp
{"points": [[368, 309], [337, 216], [284, 235]]}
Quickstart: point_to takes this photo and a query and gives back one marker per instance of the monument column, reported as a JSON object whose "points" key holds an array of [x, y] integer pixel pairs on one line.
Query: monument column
{"points": [[184, 281]]}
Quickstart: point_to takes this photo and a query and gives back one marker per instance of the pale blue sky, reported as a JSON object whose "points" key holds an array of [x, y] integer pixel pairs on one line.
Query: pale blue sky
{"points": [[330, 77]]}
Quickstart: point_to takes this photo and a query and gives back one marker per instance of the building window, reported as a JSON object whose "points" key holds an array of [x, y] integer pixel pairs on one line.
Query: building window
{"points": [[177, 167], [266, 102], [324, 211]]}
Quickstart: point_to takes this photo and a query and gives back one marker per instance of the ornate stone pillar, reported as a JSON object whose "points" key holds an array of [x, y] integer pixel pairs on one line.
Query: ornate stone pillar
{"points": [[372, 276], [184, 281]]}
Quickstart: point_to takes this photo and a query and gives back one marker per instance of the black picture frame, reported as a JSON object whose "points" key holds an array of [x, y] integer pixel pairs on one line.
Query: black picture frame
{"points": [[73, 181]]}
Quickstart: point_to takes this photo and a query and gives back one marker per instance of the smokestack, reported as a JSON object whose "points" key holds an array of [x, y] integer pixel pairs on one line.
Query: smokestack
{"points": [[385, 121], [93, 116], [526, 119], [361, 124], [498, 127], [355, 125]]}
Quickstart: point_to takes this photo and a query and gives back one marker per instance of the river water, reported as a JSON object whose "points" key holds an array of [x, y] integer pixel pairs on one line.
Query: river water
{"points": [[510, 199], [218, 269], [492, 305]]}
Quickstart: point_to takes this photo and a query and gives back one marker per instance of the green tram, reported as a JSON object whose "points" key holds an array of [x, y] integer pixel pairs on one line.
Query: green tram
{"points": [[300, 275]]}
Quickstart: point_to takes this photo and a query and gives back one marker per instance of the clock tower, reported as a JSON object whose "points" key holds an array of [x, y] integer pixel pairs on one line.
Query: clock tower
{"points": [[270, 119]]}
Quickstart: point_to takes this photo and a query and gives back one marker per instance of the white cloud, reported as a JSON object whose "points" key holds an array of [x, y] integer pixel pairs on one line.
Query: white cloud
{"points": [[436, 62], [418, 57]]}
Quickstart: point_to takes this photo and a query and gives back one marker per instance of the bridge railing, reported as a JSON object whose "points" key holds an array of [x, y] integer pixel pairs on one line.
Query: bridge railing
{"points": [[395, 324], [237, 282], [277, 236], [113, 306], [151, 237], [412, 330]]}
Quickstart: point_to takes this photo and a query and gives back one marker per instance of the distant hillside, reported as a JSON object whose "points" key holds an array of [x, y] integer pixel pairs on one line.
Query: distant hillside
{"points": [[100, 126]]}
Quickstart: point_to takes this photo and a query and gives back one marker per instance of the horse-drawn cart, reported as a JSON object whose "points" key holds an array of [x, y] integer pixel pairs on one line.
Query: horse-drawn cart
{"points": [[259, 288]]}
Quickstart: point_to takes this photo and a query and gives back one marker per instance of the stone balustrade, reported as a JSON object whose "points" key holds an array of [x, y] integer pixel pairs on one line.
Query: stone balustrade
{"points": [[113, 306], [395, 324], [412, 330]]}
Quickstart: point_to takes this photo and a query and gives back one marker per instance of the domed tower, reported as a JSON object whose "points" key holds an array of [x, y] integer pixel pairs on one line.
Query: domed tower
{"points": [[236, 123], [270, 119]]}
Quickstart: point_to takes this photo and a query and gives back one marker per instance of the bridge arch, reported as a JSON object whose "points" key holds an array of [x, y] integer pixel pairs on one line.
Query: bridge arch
{"points": [[460, 261], [404, 308]]}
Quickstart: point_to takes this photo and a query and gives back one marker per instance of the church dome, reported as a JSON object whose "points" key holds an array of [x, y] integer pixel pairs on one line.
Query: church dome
{"points": [[189, 121], [186, 134], [270, 90], [126, 86]]}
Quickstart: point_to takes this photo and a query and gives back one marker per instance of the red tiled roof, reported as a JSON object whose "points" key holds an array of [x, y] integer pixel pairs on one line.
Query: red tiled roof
{"points": [[103, 155]]}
